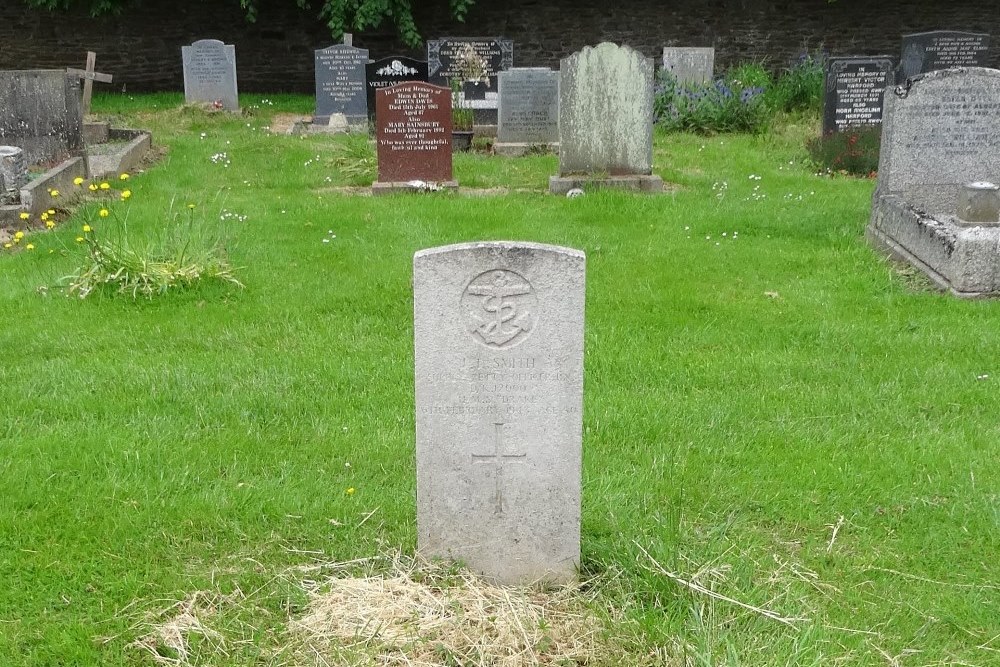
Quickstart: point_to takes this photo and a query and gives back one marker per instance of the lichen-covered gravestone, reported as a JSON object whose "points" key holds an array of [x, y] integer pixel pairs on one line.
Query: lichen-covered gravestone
{"points": [[40, 113], [498, 337], [940, 133], [210, 74], [606, 120]]}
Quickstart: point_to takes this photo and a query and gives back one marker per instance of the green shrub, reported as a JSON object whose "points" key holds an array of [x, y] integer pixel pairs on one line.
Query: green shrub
{"points": [[733, 103], [800, 87], [854, 151]]}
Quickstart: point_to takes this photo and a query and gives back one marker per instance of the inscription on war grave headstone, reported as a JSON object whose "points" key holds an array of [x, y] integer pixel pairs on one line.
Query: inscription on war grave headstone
{"points": [[854, 88], [387, 72], [40, 113], [529, 110], [498, 336], [941, 49], [210, 74], [690, 64], [413, 133], [340, 84]]}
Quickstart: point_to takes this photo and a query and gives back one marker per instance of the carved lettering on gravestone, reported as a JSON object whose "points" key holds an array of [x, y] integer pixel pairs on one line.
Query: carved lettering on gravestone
{"points": [[500, 308], [413, 133], [390, 71], [499, 423], [498, 458], [340, 83], [210, 74], [940, 49], [448, 59], [854, 89], [529, 106]]}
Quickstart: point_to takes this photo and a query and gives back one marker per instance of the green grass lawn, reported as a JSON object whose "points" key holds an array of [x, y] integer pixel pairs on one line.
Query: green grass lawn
{"points": [[772, 411]]}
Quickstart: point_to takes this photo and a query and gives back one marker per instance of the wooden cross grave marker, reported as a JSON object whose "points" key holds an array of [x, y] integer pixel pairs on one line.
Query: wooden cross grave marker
{"points": [[89, 76]]}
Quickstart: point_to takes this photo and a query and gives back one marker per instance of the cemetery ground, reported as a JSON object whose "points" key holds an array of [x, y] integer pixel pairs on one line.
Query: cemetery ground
{"points": [[790, 445]]}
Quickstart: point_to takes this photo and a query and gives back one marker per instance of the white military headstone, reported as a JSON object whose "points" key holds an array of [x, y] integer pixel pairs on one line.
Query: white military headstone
{"points": [[498, 336]]}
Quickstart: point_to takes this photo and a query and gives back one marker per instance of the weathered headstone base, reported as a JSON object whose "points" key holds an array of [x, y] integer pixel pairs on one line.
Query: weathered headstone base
{"points": [[560, 185], [404, 186], [958, 257], [520, 149]]}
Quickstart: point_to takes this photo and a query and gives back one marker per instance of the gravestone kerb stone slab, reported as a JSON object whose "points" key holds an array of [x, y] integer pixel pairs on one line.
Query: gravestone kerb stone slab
{"points": [[210, 74], [854, 89], [413, 134], [690, 64], [340, 84], [529, 110], [498, 342], [606, 120], [40, 113], [386, 72], [941, 49], [941, 131]]}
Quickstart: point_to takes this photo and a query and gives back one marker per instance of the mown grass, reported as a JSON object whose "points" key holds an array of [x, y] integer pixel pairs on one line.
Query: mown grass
{"points": [[771, 410]]}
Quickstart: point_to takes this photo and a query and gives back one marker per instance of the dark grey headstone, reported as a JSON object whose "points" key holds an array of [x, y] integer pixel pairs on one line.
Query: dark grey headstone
{"points": [[529, 106], [854, 89], [210, 74], [340, 83], [40, 113], [444, 64], [941, 49], [387, 72]]}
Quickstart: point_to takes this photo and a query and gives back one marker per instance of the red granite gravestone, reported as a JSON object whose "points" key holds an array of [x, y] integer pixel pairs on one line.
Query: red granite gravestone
{"points": [[413, 133]]}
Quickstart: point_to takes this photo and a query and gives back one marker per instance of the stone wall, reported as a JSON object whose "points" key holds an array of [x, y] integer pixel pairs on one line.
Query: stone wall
{"points": [[141, 47]]}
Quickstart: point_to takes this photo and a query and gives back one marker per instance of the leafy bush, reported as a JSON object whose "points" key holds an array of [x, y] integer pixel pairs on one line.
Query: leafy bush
{"points": [[854, 151], [800, 87], [733, 103]]}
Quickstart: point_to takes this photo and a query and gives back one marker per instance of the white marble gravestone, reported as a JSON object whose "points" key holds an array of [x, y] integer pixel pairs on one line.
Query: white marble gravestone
{"points": [[690, 64], [210, 74], [498, 337]]}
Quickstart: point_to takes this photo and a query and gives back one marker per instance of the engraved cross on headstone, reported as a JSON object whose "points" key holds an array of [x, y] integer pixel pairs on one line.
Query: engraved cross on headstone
{"points": [[498, 458], [89, 76]]}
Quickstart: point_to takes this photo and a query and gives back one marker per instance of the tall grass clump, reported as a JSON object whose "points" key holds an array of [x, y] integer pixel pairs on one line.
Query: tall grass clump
{"points": [[183, 255], [732, 103], [799, 89]]}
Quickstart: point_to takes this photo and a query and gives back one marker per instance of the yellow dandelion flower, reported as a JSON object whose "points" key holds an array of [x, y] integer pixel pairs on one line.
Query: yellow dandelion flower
{"points": [[105, 186], [49, 224], [30, 246], [92, 187], [79, 239], [8, 245], [51, 211], [126, 194], [53, 193], [78, 181], [103, 213], [123, 177], [24, 216], [45, 216], [18, 236], [87, 228], [190, 205], [350, 491]]}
